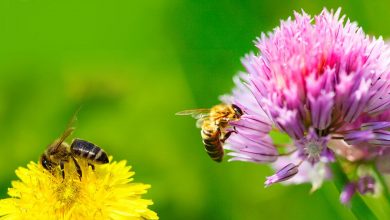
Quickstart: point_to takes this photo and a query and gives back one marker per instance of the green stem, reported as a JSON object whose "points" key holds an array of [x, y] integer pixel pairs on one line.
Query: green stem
{"points": [[382, 181], [358, 207]]}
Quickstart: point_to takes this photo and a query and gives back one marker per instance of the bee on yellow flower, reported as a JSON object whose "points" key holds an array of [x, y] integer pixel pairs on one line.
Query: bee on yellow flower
{"points": [[86, 191], [107, 192]]}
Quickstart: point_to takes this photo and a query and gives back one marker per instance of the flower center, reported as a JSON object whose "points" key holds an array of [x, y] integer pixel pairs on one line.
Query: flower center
{"points": [[313, 150], [312, 147], [67, 193]]}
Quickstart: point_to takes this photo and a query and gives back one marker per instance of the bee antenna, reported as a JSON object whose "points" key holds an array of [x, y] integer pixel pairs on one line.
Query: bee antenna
{"points": [[73, 119]]}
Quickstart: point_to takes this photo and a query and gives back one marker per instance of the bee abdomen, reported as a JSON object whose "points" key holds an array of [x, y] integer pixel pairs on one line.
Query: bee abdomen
{"points": [[213, 145], [88, 151], [215, 151]]}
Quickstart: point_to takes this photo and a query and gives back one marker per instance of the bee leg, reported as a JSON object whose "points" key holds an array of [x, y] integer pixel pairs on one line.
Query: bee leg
{"points": [[92, 166], [78, 169], [62, 167], [227, 135]]}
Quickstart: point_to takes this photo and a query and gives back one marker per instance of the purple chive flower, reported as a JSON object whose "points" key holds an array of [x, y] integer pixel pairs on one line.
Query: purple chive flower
{"points": [[366, 184], [312, 147], [314, 174], [372, 133], [253, 142], [347, 193], [367, 139], [283, 174], [321, 81]]}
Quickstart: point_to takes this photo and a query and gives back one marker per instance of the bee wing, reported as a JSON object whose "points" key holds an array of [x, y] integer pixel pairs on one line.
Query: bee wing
{"points": [[196, 113], [200, 121], [68, 131], [199, 114]]}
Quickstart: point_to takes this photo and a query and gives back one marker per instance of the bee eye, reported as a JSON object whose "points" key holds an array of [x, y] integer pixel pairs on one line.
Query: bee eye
{"points": [[45, 163], [237, 110]]}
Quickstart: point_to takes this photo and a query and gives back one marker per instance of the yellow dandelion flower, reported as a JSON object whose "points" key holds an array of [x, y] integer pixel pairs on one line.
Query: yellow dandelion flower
{"points": [[104, 193]]}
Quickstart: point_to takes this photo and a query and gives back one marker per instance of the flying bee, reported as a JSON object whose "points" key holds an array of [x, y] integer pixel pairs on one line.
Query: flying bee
{"points": [[214, 124], [59, 152]]}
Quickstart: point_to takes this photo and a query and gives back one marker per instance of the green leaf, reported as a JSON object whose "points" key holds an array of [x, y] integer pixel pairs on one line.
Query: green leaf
{"points": [[385, 190]]}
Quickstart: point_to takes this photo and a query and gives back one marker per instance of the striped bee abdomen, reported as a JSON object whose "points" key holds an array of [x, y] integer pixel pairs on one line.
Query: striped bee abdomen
{"points": [[87, 150], [212, 144]]}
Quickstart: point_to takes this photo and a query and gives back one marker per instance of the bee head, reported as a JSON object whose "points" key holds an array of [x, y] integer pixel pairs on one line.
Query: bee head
{"points": [[237, 110], [46, 163]]}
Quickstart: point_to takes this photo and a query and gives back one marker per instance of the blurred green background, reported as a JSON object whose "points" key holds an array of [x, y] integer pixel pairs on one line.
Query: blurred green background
{"points": [[132, 65]]}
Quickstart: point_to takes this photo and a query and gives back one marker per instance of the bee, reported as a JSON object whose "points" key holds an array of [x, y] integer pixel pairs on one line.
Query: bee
{"points": [[59, 152], [214, 124]]}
